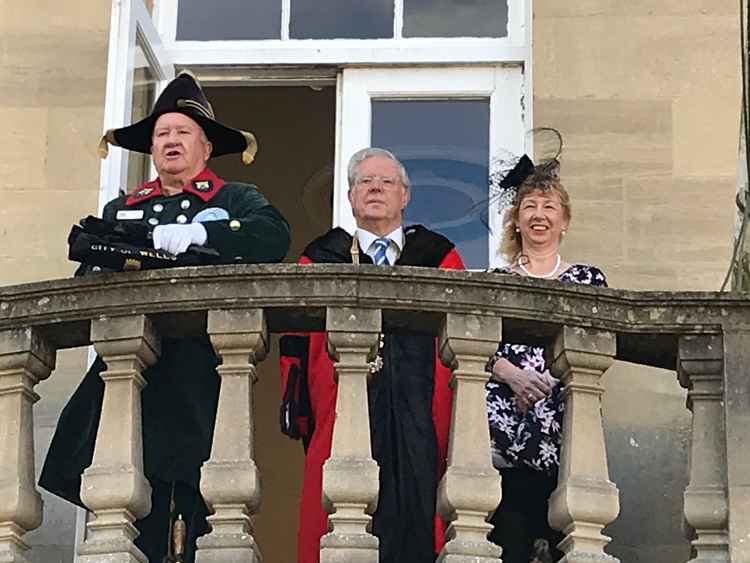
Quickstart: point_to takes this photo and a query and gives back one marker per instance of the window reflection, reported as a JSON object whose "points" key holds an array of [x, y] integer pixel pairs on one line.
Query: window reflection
{"points": [[144, 95], [348, 19], [444, 145], [455, 18], [228, 19]]}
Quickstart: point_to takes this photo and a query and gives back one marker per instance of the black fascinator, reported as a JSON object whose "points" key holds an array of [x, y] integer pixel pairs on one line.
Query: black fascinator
{"points": [[507, 174], [508, 171]]}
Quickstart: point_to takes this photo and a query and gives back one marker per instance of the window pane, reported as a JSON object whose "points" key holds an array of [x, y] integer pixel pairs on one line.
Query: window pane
{"points": [[455, 18], [444, 145], [343, 19], [228, 19], [144, 92]]}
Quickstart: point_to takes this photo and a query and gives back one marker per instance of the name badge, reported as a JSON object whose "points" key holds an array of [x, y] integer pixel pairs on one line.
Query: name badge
{"points": [[129, 214]]}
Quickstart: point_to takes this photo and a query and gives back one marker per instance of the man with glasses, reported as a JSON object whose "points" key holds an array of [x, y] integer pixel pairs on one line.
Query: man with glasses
{"points": [[410, 401]]}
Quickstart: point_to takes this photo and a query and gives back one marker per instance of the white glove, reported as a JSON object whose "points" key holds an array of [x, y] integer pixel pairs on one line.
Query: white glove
{"points": [[175, 239]]}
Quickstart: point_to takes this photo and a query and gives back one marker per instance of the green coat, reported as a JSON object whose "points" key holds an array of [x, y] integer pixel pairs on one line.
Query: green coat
{"points": [[241, 225], [179, 401]]}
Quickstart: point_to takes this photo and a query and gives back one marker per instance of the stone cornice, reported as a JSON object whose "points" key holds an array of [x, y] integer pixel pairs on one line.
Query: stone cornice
{"points": [[296, 296]]}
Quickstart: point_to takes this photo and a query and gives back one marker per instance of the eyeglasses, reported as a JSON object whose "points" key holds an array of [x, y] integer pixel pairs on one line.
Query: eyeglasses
{"points": [[384, 181]]}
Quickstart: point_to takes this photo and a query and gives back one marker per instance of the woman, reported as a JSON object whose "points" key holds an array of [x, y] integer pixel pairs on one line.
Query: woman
{"points": [[524, 403]]}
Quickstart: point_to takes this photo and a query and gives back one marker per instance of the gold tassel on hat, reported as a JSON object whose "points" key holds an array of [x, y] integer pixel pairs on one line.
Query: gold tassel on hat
{"points": [[107, 139], [248, 155]]}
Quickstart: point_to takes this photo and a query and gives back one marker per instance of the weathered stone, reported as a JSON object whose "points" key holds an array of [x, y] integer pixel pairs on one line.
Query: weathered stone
{"points": [[230, 480], [25, 359], [114, 487], [350, 476], [648, 326], [470, 489], [706, 506], [281, 288], [585, 499], [736, 423]]}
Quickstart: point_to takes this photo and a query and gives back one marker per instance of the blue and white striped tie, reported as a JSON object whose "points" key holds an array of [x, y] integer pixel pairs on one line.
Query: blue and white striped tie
{"points": [[381, 245]]}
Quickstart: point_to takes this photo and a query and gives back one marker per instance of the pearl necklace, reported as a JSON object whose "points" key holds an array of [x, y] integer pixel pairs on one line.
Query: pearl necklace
{"points": [[544, 276]]}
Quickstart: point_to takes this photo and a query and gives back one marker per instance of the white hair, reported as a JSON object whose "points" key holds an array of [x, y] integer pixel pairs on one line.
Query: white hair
{"points": [[363, 154]]}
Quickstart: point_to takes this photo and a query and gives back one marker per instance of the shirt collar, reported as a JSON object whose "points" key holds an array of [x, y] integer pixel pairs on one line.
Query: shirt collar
{"points": [[366, 238]]}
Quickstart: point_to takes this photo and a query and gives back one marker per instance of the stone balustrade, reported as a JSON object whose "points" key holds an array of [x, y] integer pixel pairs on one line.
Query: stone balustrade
{"points": [[704, 337]]}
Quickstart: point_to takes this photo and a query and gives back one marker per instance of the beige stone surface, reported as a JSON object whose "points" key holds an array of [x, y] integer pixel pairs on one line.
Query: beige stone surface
{"points": [[706, 510], [584, 8], [585, 500], [52, 75], [647, 97], [114, 487], [24, 147], [230, 480], [470, 490], [350, 475], [647, 100], [25, 359], [631, 56]]}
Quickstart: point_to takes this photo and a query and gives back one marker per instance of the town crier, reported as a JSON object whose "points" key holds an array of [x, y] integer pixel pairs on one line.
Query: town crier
{"points": [[186, 206]]}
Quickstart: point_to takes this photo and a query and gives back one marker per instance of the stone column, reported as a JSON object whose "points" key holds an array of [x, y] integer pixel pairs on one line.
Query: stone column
{"points": [[114, 487], [350, 476], [737, 436], [470, 489], [706, 509], [585, 499], [25, 359], [230, 480]]}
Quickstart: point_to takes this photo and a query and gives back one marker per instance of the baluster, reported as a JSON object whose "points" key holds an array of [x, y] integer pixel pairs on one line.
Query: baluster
{"points": [[114, 487], [706, 507], [25, 359], [350, 475], [585, 499], [470, 489], [736, 414], [230, 480]]}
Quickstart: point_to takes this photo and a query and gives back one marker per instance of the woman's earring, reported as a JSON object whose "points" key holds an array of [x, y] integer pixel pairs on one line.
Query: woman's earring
{"points": [[518, 229]]}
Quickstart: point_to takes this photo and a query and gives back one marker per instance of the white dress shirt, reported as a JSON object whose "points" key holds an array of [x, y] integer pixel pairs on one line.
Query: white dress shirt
{"points": [[396, 245]]}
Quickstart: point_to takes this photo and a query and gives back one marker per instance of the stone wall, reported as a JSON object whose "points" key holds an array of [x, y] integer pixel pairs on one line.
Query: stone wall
{"points": [[647, 98], [53, 62], [53, 65]]}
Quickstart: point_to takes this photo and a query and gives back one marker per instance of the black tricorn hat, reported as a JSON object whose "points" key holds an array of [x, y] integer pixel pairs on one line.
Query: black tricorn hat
{"points": [[183, 95]]}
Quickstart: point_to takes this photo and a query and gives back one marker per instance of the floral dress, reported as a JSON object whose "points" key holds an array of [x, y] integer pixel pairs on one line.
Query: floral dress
{"points": [[532, 439]]}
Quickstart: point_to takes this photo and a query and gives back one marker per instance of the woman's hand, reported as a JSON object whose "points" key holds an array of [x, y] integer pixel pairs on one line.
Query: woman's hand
{"points": [[529, 386]]}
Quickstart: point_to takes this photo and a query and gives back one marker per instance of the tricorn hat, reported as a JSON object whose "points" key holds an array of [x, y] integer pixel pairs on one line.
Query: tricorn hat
{"points": [[182, 95]]}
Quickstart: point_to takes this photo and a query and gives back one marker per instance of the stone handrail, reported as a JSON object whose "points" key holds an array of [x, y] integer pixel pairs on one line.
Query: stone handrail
{"points": [[702, 335]]}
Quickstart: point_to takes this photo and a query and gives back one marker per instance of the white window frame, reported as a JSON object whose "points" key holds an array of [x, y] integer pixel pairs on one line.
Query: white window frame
{"points": [[458, 67], [503, 85], [362, 67], [130, 21], [515, 47]]}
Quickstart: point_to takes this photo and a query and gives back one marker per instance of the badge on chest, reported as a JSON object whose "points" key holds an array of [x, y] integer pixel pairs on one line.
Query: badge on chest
{"points": [[129, 214]]}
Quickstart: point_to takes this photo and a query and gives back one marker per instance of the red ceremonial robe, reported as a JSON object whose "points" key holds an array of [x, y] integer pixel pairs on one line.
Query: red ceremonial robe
{"points": [[309, 406]]}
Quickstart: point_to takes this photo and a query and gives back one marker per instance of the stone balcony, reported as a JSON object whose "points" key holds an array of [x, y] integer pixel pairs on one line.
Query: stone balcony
{"points": [[705, 337]]}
